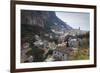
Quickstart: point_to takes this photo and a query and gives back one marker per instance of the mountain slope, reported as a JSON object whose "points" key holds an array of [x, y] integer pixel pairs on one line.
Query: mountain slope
{"points": [[44, 19]]}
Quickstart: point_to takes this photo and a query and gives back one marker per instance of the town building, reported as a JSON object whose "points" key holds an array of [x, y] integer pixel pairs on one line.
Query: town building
{"points": [[62, 54], [73, 42]]}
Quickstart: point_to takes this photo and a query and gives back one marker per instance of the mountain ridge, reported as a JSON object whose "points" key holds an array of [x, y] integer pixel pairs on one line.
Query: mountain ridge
{"points": [[44, 19]]}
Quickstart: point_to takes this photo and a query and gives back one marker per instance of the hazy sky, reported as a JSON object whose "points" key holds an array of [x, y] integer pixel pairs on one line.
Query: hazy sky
{"points": [[75, 19]]}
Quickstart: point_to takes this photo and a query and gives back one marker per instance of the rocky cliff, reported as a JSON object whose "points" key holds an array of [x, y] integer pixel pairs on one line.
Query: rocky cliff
{"points": [[41, 23], [44, 19]]}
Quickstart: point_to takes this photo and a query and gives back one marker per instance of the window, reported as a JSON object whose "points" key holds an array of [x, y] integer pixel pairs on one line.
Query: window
{"points": [[62, 54]]}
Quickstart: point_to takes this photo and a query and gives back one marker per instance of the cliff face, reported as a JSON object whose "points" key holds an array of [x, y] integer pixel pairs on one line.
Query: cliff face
{"points": [[43, 23], [44, 19]]}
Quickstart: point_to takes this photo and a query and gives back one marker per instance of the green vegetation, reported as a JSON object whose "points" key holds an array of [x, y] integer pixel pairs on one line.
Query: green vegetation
{"points": [[81, 54], [85, 40]]}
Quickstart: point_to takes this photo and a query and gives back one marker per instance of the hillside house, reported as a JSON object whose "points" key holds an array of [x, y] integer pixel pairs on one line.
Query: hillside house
{"points": [[73, 42], [62, 54], [52, 45]]}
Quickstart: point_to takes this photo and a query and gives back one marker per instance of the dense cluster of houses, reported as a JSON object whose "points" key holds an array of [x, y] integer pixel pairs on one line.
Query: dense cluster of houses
{"points": [[64, 50], [61, 51]]}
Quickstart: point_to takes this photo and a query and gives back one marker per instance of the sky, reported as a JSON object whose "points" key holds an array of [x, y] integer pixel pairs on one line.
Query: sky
{"points": [[75, 19]]}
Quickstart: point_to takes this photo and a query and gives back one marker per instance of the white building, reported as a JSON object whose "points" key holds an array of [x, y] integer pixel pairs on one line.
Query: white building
{"points": [[62, 54], [52, 45], [74, 42]]}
